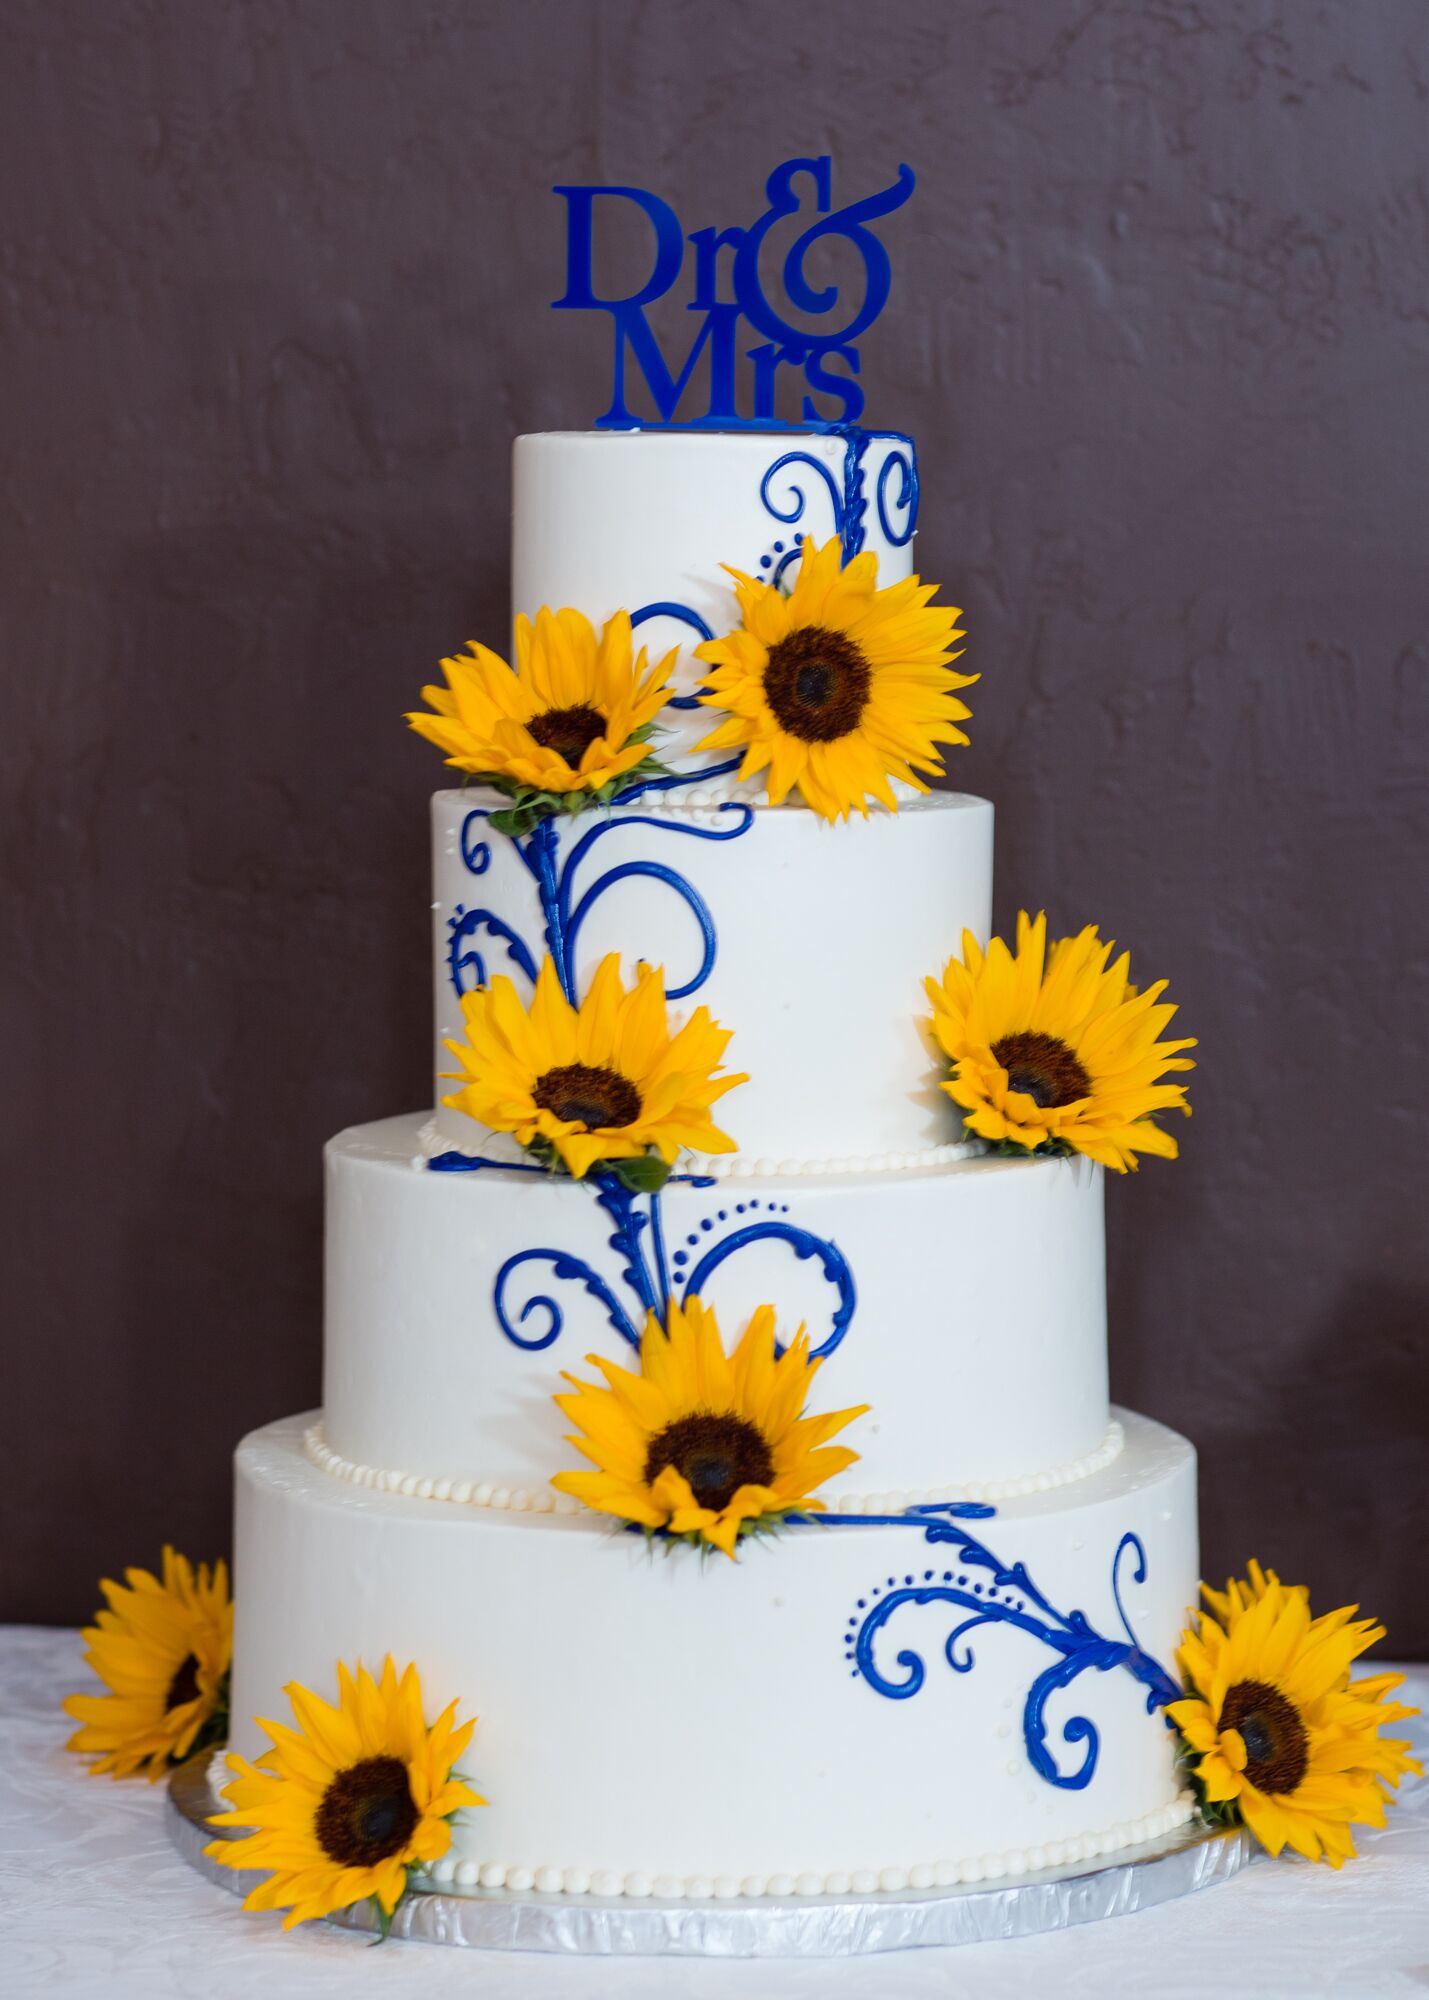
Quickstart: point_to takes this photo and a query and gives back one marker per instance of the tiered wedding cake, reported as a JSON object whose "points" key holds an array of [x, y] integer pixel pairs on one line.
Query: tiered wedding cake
{"points": [[906, 1693]]}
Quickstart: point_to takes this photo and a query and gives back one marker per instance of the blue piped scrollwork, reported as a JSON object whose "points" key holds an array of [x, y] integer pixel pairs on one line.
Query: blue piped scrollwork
{"points": [[804, 1244], [905, 501], [791, 510], [563, 912], [638, 1238], [1008, 1596], [847, 498]]}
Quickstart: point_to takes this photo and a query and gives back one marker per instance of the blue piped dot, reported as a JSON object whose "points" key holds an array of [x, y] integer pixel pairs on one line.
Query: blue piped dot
{"points": [[764, 561], [892, 1581], [724, 1215], [907, 1579], [862, 1604], [739, 1208], [778, 548], [707, 1224], [977, 1590], [927, 1576], [947, 1576], [682, 1257]]}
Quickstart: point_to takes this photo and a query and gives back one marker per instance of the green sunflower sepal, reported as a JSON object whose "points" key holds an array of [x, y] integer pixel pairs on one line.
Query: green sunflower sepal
{"points": [[529, 805], [1013, 1149], [756, 1527], [646, 1173]]}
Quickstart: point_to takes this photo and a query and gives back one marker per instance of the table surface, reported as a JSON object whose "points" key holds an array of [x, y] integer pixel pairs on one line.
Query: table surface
{"points": [[93, 1900]]}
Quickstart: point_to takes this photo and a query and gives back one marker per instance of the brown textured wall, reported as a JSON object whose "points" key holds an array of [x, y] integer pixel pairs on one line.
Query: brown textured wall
{"points": [[273, 284]]}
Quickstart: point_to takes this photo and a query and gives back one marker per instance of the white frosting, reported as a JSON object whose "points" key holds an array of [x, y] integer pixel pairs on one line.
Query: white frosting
{"points": [[615, 520], [617, 1685], [824, 936], [978, 1336], [544, 1500]]}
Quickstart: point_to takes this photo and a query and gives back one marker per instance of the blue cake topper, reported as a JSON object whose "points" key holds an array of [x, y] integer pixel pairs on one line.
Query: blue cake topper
{"points": [[826, 355]]}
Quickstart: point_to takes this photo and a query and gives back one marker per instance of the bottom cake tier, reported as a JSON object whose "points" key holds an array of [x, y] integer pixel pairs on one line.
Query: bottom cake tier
{"points": [[900, 1701]]}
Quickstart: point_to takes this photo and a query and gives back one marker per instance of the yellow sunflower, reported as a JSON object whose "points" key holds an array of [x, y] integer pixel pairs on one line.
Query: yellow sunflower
{"points": [[607, 1082], [1283, 1735], [701, 1443], [162, 1647], [1053, 1049], [838, 687], [343, 1806], [574, 717], [1241, 1592]]}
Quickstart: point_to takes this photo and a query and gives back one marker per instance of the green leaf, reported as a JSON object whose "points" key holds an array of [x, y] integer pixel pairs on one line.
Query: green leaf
{"points": [[1218, 1813], [1011, 1149], [645, 1175]]}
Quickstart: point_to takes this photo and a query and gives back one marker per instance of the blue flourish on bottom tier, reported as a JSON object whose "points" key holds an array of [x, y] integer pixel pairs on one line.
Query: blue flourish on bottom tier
{"points": [[987, 1592]]}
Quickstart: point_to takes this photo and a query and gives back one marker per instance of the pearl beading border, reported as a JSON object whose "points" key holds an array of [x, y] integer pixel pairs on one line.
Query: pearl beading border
{"points": [[415, 1486], [449, 1873], [542, 1500], [1066, 1474], [1014, 1861], [732, 1166]]}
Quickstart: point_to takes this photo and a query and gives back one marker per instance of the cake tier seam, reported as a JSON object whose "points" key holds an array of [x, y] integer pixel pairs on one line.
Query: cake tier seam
{"points": [[721, 1167], [493, 1497]]}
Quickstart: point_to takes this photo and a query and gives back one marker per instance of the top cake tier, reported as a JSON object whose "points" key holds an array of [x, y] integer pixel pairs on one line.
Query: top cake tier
{"points": [[641, 521]]}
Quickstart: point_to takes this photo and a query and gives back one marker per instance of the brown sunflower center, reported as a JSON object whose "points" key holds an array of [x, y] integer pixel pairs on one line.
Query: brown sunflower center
{"points": [[817, 682], [1277, 1747], [366, 1814], [183, 1688], [580, 1095], [717, 1455], [568, 731], [1042, 1067]]}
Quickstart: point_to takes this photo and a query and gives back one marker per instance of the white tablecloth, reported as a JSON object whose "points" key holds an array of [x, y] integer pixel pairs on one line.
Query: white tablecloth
{"points": [[93, 1900]]}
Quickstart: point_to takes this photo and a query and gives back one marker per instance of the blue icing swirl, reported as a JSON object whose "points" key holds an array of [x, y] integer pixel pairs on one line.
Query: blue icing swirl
{"points": [[1008, 1596]]}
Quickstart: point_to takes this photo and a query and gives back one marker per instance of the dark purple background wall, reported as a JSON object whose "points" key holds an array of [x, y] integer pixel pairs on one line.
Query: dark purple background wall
{"points": [[273, 285]]}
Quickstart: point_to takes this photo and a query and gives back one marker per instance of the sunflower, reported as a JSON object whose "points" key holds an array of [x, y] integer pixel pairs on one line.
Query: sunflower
{"points": [[346, 1804], [162, 1647], [1052, 1050], [565, 728], [838, 687], [1284, 1737], [703, 1444], [605, 1084]]}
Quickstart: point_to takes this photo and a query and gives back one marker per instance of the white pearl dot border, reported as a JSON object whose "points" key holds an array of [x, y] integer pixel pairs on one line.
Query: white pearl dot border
{"points": [[735, 1167], [485, 1493], [416, 1486], [896, 1502], [470, 1875]]}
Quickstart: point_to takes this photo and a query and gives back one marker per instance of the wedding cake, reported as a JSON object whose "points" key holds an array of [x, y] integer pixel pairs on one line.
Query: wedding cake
{"points": [[948, 1663]]}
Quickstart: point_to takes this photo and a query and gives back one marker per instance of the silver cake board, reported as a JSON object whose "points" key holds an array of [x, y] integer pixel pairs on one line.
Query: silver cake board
{"points": [[1137, 1878]]}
